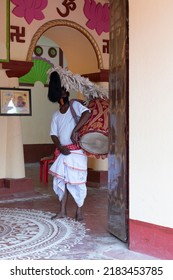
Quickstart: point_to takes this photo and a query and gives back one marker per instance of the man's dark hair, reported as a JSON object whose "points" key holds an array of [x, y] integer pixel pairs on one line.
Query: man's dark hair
{"points": [[54, 91]]}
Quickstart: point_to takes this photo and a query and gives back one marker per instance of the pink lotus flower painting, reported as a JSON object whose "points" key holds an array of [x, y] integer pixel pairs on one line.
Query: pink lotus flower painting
{"points": [[97, 15], [29, 9]]}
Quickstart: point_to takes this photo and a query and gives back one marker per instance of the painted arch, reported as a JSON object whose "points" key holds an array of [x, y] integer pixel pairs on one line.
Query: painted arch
{"points": [[66, 23]]}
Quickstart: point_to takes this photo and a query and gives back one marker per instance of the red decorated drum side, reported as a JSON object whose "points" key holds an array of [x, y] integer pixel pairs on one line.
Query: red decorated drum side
{"points": [[93, 136]]}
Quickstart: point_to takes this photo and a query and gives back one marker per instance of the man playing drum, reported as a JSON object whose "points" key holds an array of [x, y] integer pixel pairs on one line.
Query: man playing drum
{"points": [[69, 170]]}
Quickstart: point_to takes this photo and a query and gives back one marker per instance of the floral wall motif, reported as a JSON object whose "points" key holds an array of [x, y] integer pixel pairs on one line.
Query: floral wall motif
{"points": [[97, 15], [29, 9], [29, 16]]}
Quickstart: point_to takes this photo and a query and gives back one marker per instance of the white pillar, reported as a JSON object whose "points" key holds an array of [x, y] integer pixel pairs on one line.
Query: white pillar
{"points": [[3, 143], [11, 146]]}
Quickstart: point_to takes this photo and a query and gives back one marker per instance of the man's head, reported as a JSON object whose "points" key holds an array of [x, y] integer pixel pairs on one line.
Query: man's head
{"points": [[56, 93], [64, 96]]}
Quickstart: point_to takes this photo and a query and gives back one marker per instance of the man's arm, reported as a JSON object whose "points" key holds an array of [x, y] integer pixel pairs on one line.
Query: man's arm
{"points": [[83, 119]]}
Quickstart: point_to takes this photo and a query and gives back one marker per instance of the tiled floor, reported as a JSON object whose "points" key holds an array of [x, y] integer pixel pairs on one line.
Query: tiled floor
{"points": [[99, 243]]}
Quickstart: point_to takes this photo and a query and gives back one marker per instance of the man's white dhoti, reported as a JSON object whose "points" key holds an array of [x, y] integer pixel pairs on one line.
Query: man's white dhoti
{"points": [[70, 171]]}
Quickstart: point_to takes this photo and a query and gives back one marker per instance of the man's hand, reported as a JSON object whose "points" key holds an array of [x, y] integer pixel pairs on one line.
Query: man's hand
{"points": [[65, 151], [62, 149], [83, 119]]}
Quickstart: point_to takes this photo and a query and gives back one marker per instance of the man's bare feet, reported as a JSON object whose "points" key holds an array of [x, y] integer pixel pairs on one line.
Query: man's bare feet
{"points": [[59, 216], [62, 210], [79, 216]]}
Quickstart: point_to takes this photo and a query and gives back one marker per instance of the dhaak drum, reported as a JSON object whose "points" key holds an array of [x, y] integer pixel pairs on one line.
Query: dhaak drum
{"points": [[93, 136]]}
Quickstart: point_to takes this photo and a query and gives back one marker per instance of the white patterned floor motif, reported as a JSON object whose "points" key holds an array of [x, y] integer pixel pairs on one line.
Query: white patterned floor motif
{"points": [[31, 234]]}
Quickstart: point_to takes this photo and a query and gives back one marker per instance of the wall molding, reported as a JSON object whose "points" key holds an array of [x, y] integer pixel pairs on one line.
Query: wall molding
{"points": [[34, 152], [102, 76], [10, 186], [17, 68], [151, 239]]}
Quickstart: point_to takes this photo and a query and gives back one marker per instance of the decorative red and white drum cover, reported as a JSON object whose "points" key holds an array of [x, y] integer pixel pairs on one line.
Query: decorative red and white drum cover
{"points": [[93, 136]]}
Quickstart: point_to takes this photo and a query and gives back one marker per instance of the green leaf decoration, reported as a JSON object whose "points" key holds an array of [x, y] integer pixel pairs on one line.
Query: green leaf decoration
{"points": [[37, 73]]}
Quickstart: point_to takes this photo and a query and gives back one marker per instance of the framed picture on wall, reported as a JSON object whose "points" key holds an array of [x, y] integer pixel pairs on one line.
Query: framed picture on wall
{"points": [[15, 102]]}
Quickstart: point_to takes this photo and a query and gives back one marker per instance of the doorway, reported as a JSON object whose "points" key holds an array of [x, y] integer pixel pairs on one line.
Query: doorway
{"points": [[118, 125], [118, 150]]}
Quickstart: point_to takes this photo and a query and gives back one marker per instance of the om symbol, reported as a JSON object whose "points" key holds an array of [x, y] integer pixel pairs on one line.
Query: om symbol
{"points": [[69, 5]]}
